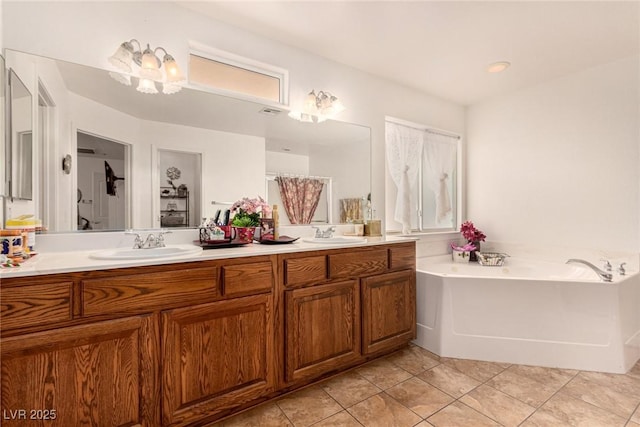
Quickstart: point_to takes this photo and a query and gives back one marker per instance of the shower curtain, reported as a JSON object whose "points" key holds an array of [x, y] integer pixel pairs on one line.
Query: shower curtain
{"points": [[300, 197]]}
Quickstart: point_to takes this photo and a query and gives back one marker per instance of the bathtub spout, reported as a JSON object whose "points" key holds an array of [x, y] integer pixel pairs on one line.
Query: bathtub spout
{"points": [[607, 277]]}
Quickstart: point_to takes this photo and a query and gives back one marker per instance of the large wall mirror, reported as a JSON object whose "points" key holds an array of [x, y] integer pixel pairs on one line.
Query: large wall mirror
{"points": [[3, 127], [240, 146], [20, 142]]}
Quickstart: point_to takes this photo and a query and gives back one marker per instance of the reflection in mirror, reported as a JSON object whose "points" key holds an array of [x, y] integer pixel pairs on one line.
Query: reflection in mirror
{"points": [[102, 193], [296, 211], [239, 143], [3, 130], [179, 188], [21, 145]]}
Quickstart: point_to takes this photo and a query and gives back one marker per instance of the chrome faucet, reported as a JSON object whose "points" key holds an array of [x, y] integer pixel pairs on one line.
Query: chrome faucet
{"points": [[607, 277], [326, 234], [151, 241]]}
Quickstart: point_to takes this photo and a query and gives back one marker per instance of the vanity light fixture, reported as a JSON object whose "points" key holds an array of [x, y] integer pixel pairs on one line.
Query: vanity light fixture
{"points": [[498, 67], [149, 68], [318, 107]]}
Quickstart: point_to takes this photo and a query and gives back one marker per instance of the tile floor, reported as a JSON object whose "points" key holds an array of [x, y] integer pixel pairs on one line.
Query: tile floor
{"points": [[414, 387]]}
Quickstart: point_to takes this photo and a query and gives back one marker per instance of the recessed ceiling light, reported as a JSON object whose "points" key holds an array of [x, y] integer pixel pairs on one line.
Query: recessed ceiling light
{"points": [[498, 67]]}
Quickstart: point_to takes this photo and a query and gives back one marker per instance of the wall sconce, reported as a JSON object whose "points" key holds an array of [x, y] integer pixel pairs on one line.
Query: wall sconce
{"points": [[149, 71], [318, 107]]}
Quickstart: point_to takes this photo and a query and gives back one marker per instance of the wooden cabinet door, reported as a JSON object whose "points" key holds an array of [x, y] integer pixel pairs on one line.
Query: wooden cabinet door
{"points": [[322, 329], [388, 311], [216, 357], [103, 374]]}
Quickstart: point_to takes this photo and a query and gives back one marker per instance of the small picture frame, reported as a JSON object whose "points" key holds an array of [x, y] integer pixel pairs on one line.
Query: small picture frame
{"points": [[266, 229]]}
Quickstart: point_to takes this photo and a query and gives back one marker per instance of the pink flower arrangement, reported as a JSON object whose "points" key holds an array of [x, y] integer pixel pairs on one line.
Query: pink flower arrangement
{"points": [[471, 233], [466, 248], [247, 211]]}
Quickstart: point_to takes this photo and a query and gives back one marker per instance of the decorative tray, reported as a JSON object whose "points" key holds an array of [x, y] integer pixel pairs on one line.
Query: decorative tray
{"points": [[279, 241], [216, 244], [491, 259]]}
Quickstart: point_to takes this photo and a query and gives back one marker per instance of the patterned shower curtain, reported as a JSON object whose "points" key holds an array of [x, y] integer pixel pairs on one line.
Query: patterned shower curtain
{"points": [[300, 197]]}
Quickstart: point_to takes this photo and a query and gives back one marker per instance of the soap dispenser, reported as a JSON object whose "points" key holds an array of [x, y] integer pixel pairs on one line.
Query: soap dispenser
{"points": [[276, 219]]}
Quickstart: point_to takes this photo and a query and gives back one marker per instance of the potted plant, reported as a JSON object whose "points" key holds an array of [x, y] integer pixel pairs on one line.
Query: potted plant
{"points": [[246, 218], [461, 253], [473, 236]]}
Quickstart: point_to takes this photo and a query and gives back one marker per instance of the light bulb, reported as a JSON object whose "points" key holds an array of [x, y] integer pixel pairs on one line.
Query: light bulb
{"points": [[171, 69]]}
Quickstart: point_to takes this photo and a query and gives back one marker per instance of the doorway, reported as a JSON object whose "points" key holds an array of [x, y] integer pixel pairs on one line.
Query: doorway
{"points": [[101, 193], [180, 188]]}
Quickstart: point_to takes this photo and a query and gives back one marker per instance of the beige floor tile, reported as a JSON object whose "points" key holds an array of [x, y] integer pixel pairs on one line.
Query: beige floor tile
{"points": [[424, 424], [425, 351], [458, 414], [414, 359], [481, 371], [308, 406], [383, 373], [549, 376], [575, 412], [449, 380], [522, 388], [341, 419], [625, 384], [543, 419], [268, 415], [422, 398], [632, 424], [501, 407], [382, 410], [636, 416], [602, 396], [350, 388]]}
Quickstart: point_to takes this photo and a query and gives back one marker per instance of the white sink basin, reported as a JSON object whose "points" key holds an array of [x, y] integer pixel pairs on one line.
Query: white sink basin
{"points": [[338, 240], [153, 253]]}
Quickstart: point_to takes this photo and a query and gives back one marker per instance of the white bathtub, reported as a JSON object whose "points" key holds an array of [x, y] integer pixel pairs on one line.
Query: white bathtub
{"points": [[528, 312]]}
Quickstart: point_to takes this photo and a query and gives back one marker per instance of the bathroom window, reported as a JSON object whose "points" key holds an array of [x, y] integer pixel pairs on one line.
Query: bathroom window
{"points": [[234, 75], [421, 178]]}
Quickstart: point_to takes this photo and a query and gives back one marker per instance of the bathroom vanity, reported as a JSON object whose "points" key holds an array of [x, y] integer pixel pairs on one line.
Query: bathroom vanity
{"points": [[190, 342]]}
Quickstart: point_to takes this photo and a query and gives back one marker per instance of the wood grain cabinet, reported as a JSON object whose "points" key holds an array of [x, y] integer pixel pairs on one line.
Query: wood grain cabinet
{"points": [[323, 329], [388, 311], [101, 374], [215, 357], [187, 344]]}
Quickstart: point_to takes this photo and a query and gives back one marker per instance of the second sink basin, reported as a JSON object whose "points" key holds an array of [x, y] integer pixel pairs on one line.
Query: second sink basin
{"points": [[152, 253], [338, 240]]}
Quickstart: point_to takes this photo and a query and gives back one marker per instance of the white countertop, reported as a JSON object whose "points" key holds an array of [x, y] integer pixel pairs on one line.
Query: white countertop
{"points": [[74, 261]]}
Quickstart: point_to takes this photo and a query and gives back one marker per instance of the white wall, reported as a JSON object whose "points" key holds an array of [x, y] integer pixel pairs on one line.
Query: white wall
{"points": [[557, 164], [102, 26]]}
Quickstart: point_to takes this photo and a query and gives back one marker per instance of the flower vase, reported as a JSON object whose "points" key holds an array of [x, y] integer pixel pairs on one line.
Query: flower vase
{"points": [[460, 256], [244, 234], [472, 256]]}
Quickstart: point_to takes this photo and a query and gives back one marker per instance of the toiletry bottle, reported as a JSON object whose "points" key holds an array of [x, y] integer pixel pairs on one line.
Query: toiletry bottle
{"points": [[276, 218]]}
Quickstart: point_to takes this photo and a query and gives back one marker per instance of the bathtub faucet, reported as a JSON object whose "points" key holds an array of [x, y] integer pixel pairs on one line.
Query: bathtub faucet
{"points": [[607, 277]]}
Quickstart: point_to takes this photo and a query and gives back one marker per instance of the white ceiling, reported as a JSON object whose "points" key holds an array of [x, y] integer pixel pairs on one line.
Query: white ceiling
{"points": [[443, 48]]}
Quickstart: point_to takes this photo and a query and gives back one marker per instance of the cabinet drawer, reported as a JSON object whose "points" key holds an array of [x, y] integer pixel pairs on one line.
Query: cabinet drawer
{"points": [[32, 305], [247, 278], [402, 256], [358, 262], [299, 271], [135, 292]]}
